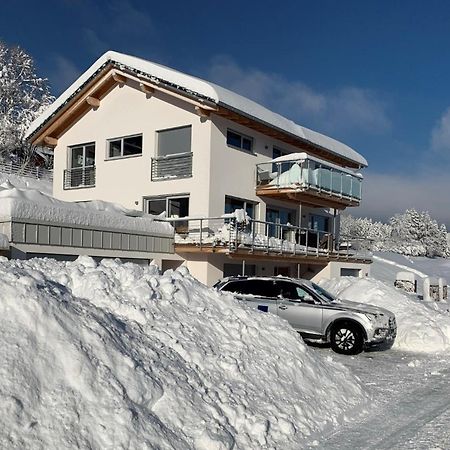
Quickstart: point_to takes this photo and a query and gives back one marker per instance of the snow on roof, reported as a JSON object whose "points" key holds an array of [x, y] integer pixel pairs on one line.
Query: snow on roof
{"points": [[205, 90], [116, 355], [32, 204], [304, 156]]}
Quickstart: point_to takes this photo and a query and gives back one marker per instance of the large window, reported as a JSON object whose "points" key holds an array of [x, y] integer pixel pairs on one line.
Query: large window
{"points": [[278, 217], [125, 146], [239, 140], [174, 141]]}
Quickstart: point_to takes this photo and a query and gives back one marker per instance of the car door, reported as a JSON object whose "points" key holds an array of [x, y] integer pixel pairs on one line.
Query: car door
{"points": [[299, 307], [259, 294]]}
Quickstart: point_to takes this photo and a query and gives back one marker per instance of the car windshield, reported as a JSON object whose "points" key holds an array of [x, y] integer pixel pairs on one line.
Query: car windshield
{"points": [[325, 295]]}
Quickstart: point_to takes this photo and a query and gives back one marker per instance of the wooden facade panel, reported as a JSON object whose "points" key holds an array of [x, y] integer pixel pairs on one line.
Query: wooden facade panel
{"points": [[43, 234], [107, 240], [55, 236], [31, 233], [97, 239], [116, 241], [77, 237], [18, 232], [87, 238], [66, 236]]}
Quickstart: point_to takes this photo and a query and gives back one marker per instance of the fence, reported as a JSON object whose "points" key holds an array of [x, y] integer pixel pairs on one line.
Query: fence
{"points": [[268, 237], [26, 171]]}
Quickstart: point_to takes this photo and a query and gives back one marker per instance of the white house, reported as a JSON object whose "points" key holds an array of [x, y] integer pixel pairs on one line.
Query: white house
{"points": [[149, 137]]}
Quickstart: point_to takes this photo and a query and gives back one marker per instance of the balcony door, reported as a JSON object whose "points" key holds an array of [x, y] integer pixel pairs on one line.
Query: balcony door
{"points": [[81, 166], [278, 217]]}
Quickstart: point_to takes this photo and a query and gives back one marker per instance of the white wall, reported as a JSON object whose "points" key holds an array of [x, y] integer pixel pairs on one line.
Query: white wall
{"points": [[126, 111]]}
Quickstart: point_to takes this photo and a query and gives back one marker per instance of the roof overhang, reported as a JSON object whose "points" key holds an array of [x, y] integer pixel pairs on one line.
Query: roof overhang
{"points": [[88, 91]]}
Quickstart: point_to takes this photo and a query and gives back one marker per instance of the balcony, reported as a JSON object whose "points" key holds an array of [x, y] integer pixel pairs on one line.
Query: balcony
{"points": [[302, 178], [171, 167], [79, 177], [253, 238]]}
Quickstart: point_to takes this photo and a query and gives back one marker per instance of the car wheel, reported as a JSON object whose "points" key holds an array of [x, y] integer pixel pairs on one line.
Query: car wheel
{"points": [[346, 338]]}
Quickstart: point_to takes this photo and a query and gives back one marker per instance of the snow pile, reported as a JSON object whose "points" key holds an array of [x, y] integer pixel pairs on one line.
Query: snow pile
{"points": [[33, 204], [422, 327], [118, 356], [22, 182]]}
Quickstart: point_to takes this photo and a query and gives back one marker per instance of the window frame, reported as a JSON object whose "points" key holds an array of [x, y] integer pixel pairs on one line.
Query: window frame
{"points": [[122, 138], [246, 202], [84, 145], [157, 142], [166, 198], [242, 136]]}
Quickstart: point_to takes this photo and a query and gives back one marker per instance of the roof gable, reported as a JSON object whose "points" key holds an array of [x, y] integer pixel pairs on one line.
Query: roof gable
{"points": [[205, 92]]}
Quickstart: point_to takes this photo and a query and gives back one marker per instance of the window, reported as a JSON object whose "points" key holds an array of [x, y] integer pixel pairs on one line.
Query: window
{"points": [[126, 146], [81, 166], [319, 223], [283, 167], [278, 217], [175, 207], [82, 155], [233, 270], [238, 140], [232, 203], [174, 141], [260, 288]]}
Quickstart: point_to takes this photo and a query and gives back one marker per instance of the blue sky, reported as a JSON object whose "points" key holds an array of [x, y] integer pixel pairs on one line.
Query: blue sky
{"points": [[372, 74]]}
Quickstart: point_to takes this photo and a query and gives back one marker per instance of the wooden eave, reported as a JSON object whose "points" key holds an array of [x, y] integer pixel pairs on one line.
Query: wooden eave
{"points": [[110, 75], [261, 255], [87, 98]]}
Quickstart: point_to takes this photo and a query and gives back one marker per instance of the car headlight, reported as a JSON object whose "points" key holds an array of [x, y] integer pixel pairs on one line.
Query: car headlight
{"points": [[371, 317]]}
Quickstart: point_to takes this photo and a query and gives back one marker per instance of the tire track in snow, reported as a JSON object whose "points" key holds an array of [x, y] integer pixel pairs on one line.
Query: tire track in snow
{"points": [[400, 425]]}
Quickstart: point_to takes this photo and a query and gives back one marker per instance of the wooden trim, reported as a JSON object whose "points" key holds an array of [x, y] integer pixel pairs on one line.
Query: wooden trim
{"points": [[201, 112], [92, 101], [51, 141], [119, 78], [262, 255], [146, 89]]}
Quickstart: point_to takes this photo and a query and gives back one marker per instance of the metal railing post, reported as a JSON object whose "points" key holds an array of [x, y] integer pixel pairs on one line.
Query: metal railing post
{"points": [[318, 242], [201, 233]]}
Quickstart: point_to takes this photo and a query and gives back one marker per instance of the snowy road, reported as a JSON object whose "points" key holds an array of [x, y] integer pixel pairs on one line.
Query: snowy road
{"points": [[411, 408]]}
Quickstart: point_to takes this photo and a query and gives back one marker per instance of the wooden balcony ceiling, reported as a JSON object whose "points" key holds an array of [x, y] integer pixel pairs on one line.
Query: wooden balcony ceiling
{"points": [[310, 197], [261, 255]]}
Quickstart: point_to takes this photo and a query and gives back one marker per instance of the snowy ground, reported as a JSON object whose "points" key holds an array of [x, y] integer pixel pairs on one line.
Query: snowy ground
{"points": [[118, 356]]}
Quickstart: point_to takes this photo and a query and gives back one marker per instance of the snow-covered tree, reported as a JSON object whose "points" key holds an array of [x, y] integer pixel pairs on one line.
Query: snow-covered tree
{"points": [[416, 233], [23, 95], [411, 233]]}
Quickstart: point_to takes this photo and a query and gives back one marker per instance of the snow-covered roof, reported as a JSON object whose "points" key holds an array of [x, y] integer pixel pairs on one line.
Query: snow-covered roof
{"points": [[204, 90], [302, 156], [28, 203]]}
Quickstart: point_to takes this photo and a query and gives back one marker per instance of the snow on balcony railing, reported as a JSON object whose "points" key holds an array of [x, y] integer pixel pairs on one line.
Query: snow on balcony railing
{"points": [[26, 171], [234, 234], [300, 171]]}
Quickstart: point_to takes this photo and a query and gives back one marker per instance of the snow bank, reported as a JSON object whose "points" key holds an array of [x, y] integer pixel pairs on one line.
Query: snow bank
{"points": [[422, 327], [21, 182], [118, 356], [33, 204]]}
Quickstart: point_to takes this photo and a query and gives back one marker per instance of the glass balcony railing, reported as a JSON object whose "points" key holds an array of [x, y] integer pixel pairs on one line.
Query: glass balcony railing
{"points": [[309, 174]]}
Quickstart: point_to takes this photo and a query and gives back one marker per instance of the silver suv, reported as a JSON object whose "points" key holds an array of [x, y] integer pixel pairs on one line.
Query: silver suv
{"points": [[315, 313]]}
